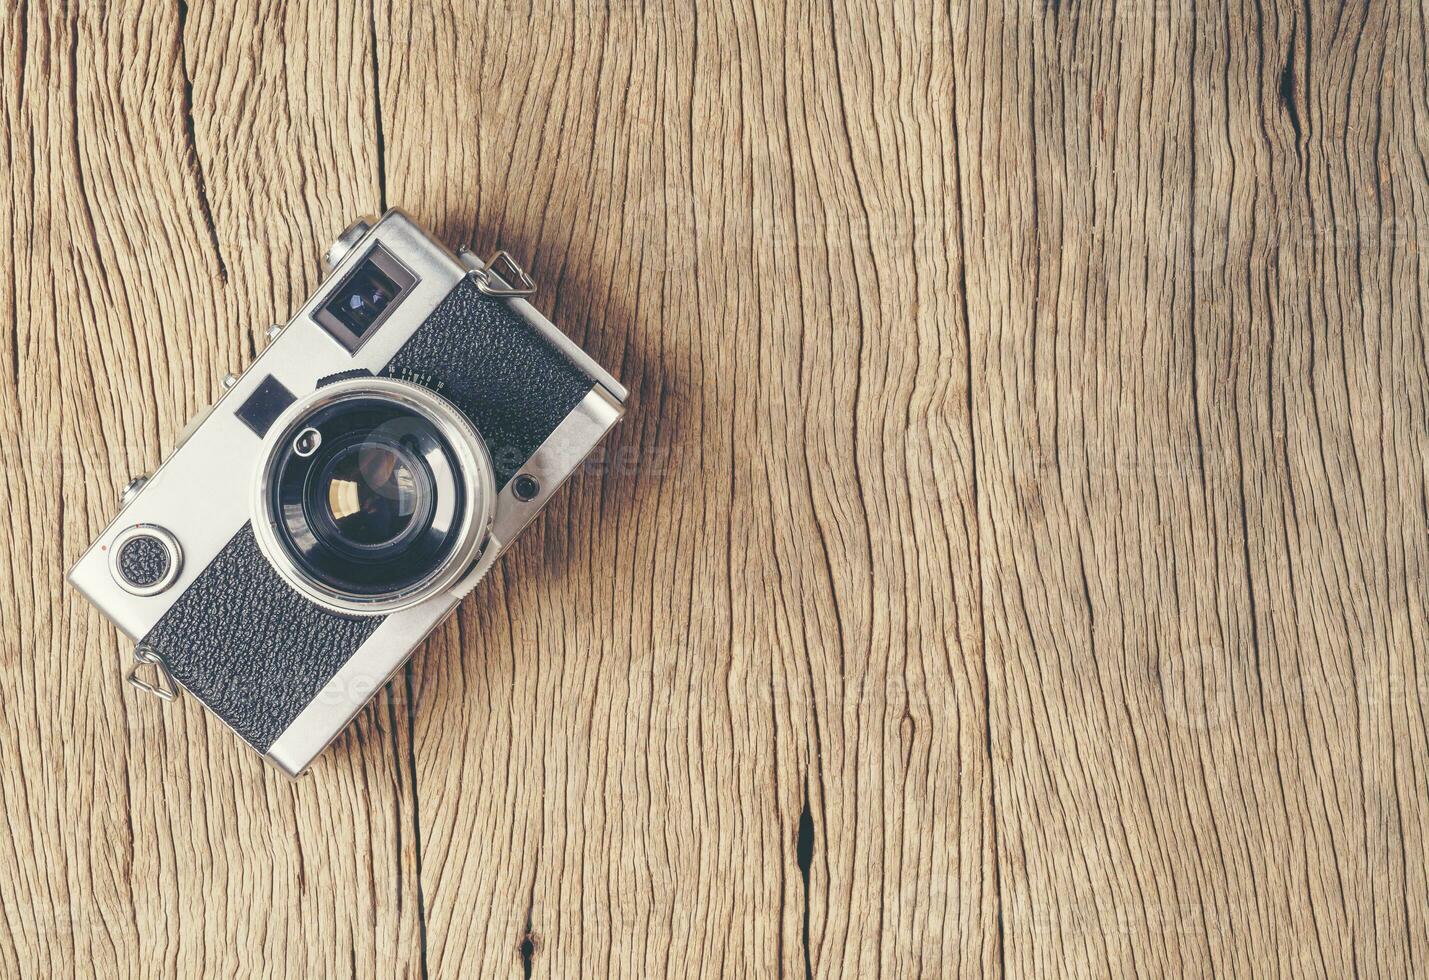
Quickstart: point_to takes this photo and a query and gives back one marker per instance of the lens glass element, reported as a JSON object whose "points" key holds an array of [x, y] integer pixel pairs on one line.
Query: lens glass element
{"points": [[372, 493]]}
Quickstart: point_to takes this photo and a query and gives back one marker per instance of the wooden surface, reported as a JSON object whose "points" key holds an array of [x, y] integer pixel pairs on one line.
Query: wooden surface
{"points": [[1015, 561]]}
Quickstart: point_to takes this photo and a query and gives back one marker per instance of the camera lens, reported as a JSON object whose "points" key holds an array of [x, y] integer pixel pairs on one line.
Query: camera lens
{"points": [[369, 494], [375, 495], [379, 503]]}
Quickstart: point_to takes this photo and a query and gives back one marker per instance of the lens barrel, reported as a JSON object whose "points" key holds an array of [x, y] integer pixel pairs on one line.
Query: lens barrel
{"points": [[388, 510]]}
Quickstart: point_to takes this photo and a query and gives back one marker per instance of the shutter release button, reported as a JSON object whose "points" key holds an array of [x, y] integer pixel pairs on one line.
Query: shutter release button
{"points": [[145, 559]]}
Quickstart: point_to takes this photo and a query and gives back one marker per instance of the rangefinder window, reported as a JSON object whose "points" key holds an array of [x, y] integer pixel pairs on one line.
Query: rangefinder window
{"points": [[365, 298]]}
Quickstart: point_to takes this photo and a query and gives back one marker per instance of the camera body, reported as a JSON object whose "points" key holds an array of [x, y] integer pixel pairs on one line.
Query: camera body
{"points": [[348, 489]]}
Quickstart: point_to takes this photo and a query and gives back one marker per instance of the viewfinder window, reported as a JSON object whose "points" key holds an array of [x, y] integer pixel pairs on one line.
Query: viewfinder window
{"points": [[365, 298]]}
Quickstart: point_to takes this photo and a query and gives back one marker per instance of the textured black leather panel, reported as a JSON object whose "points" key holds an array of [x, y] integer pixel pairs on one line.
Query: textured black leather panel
{"points": [[143, 560], [250, 647], [498, 369]]}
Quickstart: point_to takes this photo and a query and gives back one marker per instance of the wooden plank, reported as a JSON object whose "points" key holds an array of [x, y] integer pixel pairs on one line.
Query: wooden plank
{"points": [[168, 175], [1197, 290], [721, 711], [1100, 325]]}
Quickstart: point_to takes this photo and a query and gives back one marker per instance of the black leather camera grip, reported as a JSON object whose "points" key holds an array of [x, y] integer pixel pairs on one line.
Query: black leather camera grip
{"points": [[487, 360], [251, 648]]}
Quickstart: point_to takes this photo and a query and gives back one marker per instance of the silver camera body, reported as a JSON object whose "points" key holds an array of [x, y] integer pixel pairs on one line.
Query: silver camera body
{"points": [[348, 489]]}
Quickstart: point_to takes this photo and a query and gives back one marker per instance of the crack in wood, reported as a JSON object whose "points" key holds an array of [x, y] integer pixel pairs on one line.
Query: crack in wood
{"points": [[1287, 90], [377, 111], [804, 854], [195, 162], [527, 948], [416, 816]]}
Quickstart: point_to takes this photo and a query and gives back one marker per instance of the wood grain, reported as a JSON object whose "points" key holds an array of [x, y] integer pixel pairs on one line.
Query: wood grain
{"points": [[1013, 563], [1196, 284]]}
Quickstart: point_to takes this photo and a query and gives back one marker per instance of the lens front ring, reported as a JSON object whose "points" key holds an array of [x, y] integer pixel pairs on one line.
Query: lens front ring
{"points": [[469, 480]]}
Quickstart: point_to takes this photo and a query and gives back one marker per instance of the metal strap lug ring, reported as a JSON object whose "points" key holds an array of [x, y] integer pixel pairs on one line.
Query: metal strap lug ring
{"points": [[163, 686], [503, 277]]}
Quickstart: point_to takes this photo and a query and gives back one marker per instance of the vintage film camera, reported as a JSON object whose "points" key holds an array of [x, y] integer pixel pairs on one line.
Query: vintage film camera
{"points": [[348, 489]]}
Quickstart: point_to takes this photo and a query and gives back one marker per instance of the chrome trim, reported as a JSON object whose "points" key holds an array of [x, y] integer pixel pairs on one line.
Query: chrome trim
{"points": [[343, 246], [556, 459], [472, 463], [400, 634], [131, 490], [159, 534]]}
